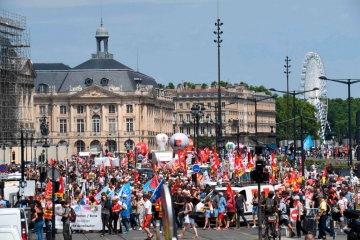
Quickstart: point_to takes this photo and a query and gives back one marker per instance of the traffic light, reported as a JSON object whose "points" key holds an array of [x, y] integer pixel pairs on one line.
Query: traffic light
{"points": [[13, 155]]}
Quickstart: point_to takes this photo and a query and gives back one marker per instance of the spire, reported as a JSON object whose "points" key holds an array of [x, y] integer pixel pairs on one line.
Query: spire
{"points": [[101, 24]]}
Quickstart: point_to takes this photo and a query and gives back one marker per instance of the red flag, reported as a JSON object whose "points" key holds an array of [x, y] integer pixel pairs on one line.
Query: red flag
{"points": [[215, 163], [60, 193], [203, 156], [175, 187], [102, 169], [136, 176], [154, 182], [251, 163], [181, 157], [48, 190], [51, 161], [229, 191], [273, 161]]}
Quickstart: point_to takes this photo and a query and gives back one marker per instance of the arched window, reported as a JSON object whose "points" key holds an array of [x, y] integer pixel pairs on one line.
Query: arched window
{"points": [[111, 144], [80, 146], [95, 146], [96, 123]]}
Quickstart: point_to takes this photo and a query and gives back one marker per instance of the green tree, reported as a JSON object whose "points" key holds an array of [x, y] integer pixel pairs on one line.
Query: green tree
{"points": [[260, 89], [213, 84], [170, 86], [161, 86], [204, 86], [244, 84], [204, 141]]}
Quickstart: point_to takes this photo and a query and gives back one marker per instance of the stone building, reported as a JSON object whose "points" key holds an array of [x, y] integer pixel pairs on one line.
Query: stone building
{"points": [[100, 103], [237, 113]]}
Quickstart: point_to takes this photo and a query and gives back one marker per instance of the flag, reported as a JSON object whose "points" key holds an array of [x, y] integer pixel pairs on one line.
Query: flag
{"points": [[111, 194], [98, 196], [136, 177], [51, 161], [229, 190], [83, 192], [60, 193], [126, 190], [48, 189], [251, 162], [102, 169], [157, 192], [147, 187], [175, 187], [324, 175], [273, 161], [181, 156], [215, 162], [206, 177], [154, 182], [308, 142]]}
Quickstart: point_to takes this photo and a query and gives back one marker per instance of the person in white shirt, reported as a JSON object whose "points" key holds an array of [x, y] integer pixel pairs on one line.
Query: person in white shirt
{"points": [[147, 216]]}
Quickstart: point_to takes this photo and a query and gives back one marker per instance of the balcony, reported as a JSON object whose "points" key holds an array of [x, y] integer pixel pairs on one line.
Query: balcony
{"points": [[129, 133]]}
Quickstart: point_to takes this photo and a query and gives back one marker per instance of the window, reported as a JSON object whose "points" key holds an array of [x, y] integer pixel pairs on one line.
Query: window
{"points": [[202, 118], [129, 124], [188, 130], [96, 123], [188, 106], [223, 104], [80, 109], [181, 118], [202, 130], [88, 82], [129, 109], [111, 108], [209, 105], [216, 105], [181, 130], [223, 119], [42, 109], [62, 125], [209, 130], [180, 106], [62, 109], [80, 125], [104, 81], [80, 146], [112, 125], [43, 88], [188, 118], [208, 117]]}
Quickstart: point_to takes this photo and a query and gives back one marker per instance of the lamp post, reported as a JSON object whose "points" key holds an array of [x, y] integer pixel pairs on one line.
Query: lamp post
{"points": [[294, 93], [218, 24], [67, 172], [287, 72], [35, 147], [348, 82], [197, 111]]}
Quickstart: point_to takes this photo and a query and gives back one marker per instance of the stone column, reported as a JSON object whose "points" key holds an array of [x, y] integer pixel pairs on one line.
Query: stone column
{"points": [[102, 121], [71, 121], [88, 121]]}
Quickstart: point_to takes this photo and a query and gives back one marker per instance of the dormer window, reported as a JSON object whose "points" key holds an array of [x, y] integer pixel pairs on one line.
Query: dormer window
{"points": [[43, 88], [88, 81], [104, 81]]}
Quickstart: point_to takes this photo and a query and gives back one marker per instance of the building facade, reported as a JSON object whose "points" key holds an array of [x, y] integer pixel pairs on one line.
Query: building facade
{"points": [[100, 104], [237, 113]]}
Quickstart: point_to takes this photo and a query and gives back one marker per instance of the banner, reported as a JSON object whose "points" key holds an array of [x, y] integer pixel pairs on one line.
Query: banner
{"points": [[106, 161], [87, 217]]}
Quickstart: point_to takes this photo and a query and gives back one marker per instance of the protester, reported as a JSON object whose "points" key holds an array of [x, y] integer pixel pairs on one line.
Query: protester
{"points": [[115, 213], [188, 219], [38, 220], [65, 219], [105, 214], [147, 216], [207, 207]]}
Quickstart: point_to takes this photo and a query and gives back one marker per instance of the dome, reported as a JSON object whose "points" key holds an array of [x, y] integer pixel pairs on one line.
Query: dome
{"points": [[102, 32]]}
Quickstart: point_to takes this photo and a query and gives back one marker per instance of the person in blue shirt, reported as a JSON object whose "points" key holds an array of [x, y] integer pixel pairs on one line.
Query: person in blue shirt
{"points": [[222, 210]]}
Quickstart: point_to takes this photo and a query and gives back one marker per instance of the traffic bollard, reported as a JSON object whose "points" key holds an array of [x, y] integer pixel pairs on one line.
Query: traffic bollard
{"points": [[157, 230]]}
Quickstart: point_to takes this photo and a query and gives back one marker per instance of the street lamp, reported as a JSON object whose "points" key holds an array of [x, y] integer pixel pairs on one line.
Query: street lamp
{"points": [[197, 111], [35, 147], [294, 93], [348, 82]]}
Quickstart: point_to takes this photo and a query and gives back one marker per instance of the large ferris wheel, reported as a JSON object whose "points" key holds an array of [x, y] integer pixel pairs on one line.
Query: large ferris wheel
{"points": [[312, 68]]}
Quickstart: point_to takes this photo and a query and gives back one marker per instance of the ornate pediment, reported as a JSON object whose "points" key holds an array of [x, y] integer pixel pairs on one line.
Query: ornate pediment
{"points": [[94, 92]]}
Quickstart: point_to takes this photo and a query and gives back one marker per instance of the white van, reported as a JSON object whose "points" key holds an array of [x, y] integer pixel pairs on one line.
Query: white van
{"points": [[9, 232], [15, 217], [246, 191]]}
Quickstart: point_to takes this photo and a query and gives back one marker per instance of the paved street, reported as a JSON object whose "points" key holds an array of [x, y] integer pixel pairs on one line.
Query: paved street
{"points": [[231, 234]]}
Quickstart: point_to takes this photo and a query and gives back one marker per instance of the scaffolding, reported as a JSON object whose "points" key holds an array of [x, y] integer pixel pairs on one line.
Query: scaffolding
{"points": [[16, 78]]}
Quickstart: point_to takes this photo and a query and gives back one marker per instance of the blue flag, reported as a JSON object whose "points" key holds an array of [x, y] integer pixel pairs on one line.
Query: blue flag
{"points": [[157, 192], [308, 142], [127, 191], [147, 187]]}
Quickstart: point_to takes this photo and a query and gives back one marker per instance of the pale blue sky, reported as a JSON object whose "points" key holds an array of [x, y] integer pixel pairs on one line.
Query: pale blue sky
{"points": [[174, 38]]}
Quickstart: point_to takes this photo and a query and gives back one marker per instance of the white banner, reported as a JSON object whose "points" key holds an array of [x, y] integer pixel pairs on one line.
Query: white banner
{"points": [[87, 217], [106, 160]]}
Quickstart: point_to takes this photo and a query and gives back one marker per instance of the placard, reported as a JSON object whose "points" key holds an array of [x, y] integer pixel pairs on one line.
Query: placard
{"points": [[87, 217]]}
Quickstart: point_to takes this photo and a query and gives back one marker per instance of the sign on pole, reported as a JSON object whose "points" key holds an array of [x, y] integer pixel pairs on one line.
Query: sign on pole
{"points": [[3, 175], [196, 168]]}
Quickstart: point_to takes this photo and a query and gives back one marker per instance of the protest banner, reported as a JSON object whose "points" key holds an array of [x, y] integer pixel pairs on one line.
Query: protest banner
{"points": [[87, 217]]}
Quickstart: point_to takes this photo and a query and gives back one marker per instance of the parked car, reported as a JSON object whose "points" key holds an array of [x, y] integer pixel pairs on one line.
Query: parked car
{"points": [[9, 232]]}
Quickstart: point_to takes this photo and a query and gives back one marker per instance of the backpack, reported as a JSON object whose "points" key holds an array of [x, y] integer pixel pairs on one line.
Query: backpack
{"points": [[328, 209], [72, 215], [287, 210], [269, 206], [335, 208]]}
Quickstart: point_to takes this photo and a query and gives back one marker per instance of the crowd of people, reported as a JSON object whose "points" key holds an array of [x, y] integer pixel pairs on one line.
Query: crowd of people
{"points": [[330, 194]]}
